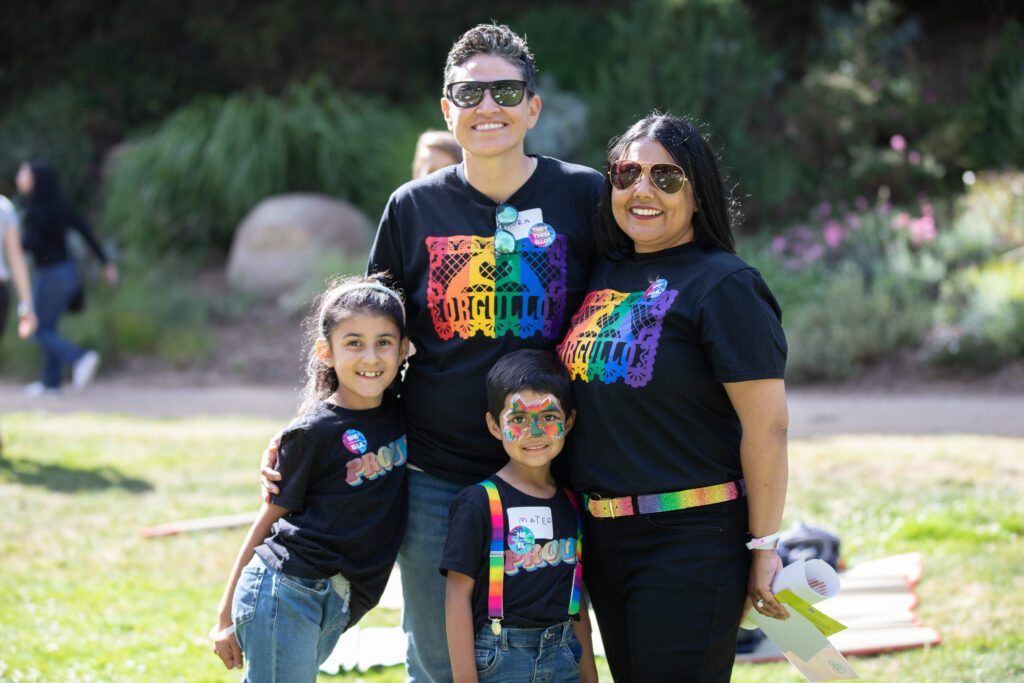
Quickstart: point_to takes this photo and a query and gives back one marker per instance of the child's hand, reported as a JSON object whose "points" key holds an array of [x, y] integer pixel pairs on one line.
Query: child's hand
{"points": [[226, 647], [268, 475]]}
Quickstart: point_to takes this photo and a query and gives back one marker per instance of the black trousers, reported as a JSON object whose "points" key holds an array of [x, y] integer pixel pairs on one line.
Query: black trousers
{"points": [[668, 591]]}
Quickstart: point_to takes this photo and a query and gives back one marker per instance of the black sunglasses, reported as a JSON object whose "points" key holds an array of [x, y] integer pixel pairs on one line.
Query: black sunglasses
{"points": [[668, 178], [465, 94]]}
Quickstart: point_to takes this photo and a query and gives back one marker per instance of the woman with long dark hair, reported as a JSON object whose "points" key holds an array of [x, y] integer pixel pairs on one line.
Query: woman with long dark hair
{"points": [[45, 222], [677, 356]]}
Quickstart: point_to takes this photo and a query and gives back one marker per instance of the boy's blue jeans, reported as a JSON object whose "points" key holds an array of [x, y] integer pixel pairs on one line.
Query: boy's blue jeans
{"points": [[286, 625], [525, 655]]}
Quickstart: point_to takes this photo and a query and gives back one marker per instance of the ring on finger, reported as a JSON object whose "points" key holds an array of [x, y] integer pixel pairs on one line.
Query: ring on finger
{"points": [[759, 604]]}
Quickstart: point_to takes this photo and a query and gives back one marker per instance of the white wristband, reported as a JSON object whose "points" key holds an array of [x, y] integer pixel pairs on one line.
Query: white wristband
{"points": [[769, 542], [216, 635]]}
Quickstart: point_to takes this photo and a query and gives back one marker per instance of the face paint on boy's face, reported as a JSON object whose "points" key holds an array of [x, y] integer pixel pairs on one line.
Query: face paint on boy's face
{"points": [[533, 419]]}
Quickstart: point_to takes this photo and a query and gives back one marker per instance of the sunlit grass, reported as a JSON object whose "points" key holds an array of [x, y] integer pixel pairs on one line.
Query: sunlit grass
{"points": [[84, 598]]}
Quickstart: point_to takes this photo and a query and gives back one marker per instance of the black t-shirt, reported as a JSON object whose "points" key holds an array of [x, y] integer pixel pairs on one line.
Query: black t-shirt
{"points": [[344, 486], [649, 350], [539, 569], [468, 307], [44, 233]]}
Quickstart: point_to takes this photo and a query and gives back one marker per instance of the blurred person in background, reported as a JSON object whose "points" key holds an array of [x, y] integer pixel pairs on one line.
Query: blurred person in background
{"points": [[13, 266], [45, 222], [435, 149]]}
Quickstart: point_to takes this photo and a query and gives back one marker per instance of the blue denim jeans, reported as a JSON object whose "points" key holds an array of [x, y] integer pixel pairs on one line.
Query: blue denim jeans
{"points": [[423, 586], [52, 290], [526, 655], [286, 625]]}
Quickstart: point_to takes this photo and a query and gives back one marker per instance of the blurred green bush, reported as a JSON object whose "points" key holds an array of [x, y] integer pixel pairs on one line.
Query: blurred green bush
{"points": [[699, 59], [185, 187], [858, 283], [52, 124], [994, 112]]}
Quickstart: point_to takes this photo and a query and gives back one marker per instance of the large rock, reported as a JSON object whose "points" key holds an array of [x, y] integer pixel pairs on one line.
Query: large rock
{"points": [[284, 240]]}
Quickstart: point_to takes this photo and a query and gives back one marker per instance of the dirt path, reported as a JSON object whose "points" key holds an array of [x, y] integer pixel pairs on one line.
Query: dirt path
{"points": [[926, 409]]}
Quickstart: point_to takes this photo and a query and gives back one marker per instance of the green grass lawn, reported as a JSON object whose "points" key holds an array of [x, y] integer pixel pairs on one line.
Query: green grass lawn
{"points": [[84, 598]]}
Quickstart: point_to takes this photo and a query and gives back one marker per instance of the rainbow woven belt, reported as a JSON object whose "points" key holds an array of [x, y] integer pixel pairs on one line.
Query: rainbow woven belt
{"points": [[664, 502]]}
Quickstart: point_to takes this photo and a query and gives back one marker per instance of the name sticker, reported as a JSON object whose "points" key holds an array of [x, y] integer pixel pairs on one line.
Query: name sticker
{"points": [[527, 219], [536, 519]]}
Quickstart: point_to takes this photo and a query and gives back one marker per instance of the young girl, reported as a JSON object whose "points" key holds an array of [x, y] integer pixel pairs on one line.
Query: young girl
{"points": [[320, 552]]}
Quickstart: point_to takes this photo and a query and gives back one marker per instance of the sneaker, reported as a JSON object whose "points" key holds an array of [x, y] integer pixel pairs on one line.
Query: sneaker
{"points": [[37, 389], [84, 369]]}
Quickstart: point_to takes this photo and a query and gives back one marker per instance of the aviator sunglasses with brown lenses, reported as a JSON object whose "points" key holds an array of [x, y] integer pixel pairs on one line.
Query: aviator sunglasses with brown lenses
{"points": [[668, 178]]}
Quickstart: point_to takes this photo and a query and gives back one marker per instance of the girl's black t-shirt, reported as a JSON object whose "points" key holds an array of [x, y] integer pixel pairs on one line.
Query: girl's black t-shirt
{"points": [[343, 482]]}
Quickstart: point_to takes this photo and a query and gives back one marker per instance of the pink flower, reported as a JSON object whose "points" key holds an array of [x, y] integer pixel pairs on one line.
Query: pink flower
{"points": [[779, 244], [898, 142], [824, 209], [901, 220], [853, 220], [813, 253], [833, 233], [922, 229], [914, 157], [862, 203], [927, 210]]}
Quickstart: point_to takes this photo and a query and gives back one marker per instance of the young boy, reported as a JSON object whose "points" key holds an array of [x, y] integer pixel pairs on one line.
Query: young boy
{"points": [[513, 605]]}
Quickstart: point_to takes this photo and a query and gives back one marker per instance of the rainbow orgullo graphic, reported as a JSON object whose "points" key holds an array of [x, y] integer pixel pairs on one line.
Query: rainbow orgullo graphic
{"points": [[614, 336], [471, 290]]}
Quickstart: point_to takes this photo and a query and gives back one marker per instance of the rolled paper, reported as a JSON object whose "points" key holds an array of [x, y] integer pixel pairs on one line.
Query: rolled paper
{"points": [[810, 580]]}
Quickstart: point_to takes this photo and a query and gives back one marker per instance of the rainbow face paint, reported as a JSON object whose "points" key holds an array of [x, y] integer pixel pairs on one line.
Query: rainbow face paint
{"points": [[538, 418]]}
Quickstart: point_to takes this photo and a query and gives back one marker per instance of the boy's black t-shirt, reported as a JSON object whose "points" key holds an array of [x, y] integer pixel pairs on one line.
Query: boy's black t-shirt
{"points": [[648, 351], [467, 306], [344, 486], [538, 579]]}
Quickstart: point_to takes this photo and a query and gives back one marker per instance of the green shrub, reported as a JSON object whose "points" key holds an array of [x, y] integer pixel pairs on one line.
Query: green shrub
{"points": [[699, 59], [186, 187], [989, 219], [981, 316], [48, 124], [859, 118], [995, 114], [858, 283]]}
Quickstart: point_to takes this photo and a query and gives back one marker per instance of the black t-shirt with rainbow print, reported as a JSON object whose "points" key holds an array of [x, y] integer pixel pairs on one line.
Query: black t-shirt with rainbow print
{"points": [[649, 349], [469, 304]]}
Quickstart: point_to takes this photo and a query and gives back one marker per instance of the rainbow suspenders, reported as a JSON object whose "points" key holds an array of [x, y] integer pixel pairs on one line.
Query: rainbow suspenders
{"points": [[496, 571]]}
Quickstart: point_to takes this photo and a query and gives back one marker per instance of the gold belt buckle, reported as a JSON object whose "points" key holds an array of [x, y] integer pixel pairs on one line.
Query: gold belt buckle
{"points": [[603, 506]]}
